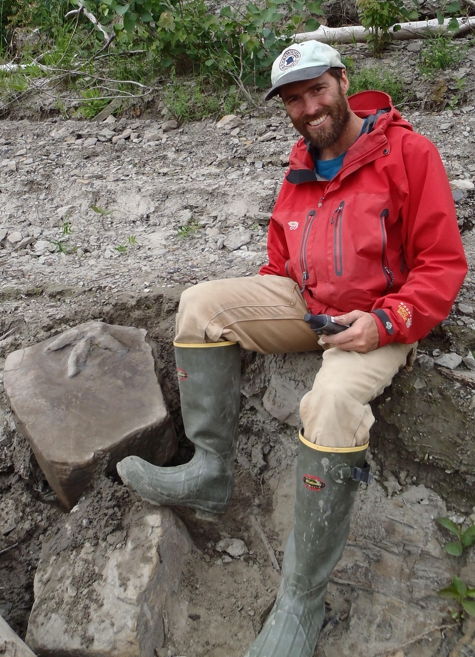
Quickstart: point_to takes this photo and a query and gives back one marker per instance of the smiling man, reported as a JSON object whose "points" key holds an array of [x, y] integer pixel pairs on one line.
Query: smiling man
{"points": [[319, 111], [364, 230]]}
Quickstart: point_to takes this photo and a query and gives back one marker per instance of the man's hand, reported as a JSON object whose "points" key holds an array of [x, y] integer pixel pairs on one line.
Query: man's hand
{"points": [[362, 336]]}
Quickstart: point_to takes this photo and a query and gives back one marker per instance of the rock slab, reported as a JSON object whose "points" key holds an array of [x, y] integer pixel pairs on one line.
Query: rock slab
{"points": [[87, 399], [108, 597], [10, 643]]}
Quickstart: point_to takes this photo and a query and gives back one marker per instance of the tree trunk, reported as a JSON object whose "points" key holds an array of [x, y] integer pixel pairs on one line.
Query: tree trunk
{"points": [[410, 30]]}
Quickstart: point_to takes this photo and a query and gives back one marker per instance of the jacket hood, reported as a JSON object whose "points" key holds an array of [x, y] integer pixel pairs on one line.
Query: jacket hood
{"points": [[369, 101], [377, 104]]}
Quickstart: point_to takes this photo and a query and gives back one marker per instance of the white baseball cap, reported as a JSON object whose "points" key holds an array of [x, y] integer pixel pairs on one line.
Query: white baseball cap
{"points": [[302, 61]]}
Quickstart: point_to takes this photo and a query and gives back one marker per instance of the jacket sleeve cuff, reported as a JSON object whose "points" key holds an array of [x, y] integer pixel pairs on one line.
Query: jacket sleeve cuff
{"points": [[386, 328]]}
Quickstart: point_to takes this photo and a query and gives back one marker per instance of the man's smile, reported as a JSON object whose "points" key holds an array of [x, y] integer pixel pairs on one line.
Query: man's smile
{"points": [[316, 122]]}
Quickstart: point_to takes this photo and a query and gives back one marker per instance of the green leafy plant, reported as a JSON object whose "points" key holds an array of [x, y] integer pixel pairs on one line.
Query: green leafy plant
{"points": [[67, 228], [458, 94], [63, 110], [349, 63], [379, 16], [453, 7], [188, 229], [370, 78], [461, 593], [63, 247], [440, 53], [234, 45], [7, 7], [466, 537], [101, 211], [189, 100], [62, 244], [13, 82], [105, 49], [123, 248], [192, 100], [44, 15], [94, 102], [458, 590]]}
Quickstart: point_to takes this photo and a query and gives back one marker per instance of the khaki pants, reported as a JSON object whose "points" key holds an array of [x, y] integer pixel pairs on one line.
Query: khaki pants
{"points": [[265, 314]]}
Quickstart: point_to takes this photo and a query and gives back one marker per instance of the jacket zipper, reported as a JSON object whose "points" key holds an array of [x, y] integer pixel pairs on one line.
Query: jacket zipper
{"points": [[337, 221], [388, 274], [303, 248]]}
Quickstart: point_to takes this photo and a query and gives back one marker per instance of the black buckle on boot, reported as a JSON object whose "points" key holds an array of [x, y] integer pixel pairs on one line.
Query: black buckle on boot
{"points": [[344, 471], [362, 474]]}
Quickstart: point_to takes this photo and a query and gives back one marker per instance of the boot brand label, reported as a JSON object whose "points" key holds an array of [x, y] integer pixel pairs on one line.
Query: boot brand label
{"points": [[313, 483], [182, 375]]}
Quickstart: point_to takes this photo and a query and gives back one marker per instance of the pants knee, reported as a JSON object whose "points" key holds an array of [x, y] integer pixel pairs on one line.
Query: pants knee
{"points": [[198, 305], [333, 418]]}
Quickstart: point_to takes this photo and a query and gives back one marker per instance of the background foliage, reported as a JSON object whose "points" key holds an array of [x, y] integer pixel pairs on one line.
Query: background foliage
{"points": [[100, 49]]}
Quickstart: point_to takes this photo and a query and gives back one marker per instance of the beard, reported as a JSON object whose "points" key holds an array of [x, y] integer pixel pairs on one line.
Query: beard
{"points": [[339, 116]]}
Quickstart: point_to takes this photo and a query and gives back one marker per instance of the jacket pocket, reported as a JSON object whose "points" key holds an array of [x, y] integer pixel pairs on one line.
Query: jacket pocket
{"points": [[304, 266], [388, 274], [363, 247], [337, 222]]}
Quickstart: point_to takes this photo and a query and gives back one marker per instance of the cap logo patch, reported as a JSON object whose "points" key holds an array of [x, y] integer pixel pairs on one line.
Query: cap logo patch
{"points": [[313, 483], [289, 58], [182, 375]]}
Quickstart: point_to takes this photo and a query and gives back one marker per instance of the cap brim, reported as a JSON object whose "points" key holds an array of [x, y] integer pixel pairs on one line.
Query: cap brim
{"points": [[296, 76]]}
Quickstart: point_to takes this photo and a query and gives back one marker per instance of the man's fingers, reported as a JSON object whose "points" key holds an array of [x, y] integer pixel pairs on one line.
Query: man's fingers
{"points": [[362, 336], [348, 318]]}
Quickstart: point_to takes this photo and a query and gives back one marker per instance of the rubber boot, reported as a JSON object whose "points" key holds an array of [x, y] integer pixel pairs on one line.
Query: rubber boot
{"points": [[325, 495], [209, 377]]}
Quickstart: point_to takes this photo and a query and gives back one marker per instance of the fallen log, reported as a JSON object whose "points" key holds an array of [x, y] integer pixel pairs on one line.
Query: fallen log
{"points": [[400, 31]]}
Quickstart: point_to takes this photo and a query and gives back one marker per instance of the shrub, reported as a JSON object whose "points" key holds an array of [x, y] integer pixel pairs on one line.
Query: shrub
{"points": [[370, 78], [191, 100], [235, 45], [440, 53]]}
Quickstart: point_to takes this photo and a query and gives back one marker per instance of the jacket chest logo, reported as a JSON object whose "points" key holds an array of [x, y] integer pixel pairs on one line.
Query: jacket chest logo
{"points": [[293, 225]]}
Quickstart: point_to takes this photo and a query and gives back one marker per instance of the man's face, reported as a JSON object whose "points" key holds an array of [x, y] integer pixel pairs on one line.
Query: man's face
{"points": [[318, 108]]}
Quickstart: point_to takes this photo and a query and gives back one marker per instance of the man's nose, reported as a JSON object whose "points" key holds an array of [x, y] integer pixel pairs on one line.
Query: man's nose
{"points": [[311, 105]]}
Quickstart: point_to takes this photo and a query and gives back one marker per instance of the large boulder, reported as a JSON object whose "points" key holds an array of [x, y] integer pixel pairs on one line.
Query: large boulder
{"points": [[106, 581], [86, 399]]}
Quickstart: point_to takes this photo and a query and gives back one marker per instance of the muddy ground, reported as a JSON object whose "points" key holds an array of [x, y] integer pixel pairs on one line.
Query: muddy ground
{"points": [[176, 206]]}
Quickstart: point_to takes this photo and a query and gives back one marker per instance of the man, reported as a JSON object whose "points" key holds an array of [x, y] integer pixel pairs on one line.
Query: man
{"points": [[364, 229]]}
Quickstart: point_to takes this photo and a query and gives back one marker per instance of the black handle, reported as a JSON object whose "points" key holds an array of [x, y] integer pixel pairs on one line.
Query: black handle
{"points": [[324, 324]]}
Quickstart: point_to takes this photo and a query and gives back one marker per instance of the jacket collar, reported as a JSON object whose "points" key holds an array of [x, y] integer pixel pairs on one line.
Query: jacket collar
{"points": [[377, 108]]}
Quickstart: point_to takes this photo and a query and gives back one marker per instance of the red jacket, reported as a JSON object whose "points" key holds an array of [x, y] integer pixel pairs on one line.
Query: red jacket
{"points": [[382, 236]]}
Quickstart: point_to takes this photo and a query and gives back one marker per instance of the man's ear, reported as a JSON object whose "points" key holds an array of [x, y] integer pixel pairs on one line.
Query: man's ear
{"points": [[344, 82]]}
